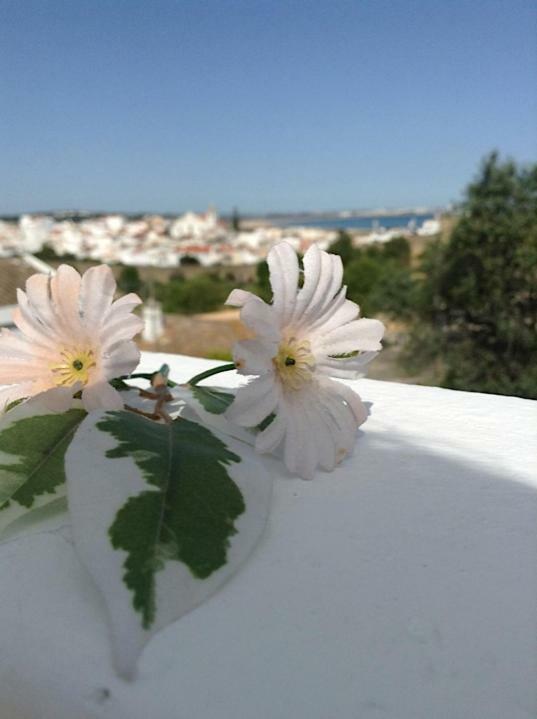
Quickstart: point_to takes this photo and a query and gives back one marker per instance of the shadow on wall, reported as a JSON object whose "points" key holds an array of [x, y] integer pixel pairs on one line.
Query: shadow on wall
{"points": [[411, 587]]}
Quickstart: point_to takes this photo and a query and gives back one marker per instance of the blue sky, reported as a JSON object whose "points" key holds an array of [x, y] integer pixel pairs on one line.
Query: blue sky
{"points": [[267, 105]]}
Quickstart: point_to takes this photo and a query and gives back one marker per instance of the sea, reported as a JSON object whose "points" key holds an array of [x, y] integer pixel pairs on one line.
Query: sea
{"points": [[359, 223]]}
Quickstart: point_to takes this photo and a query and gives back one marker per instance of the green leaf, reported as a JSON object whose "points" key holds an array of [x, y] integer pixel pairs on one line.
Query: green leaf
{"points": [[33, 442], [190, 518], [208, 405], [162, 515], [213, 400]]}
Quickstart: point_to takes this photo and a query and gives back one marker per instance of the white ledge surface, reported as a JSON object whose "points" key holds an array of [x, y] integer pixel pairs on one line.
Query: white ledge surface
{"points": [[401, 586]]}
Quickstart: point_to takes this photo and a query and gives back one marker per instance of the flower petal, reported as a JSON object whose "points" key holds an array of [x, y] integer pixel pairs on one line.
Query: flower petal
{"points": [[283, 267], [254, 356], [29, 324], [122, 360], [300, 449], [326, 272], [238, 298], [101, 396], [271, 437], [350, 397], [65, 292], [16, 391], [339, 312], [122, 328], [254, 402], [15, 345], [312, 271], [40, 302], [260, 318], [344, 368], [363, 334], [59, 399], [96, 294], [14, 370], [123, 306]]}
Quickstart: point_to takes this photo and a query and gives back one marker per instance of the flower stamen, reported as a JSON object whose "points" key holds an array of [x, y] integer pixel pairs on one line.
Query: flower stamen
{"points": [[74, 367], [294, 363]]}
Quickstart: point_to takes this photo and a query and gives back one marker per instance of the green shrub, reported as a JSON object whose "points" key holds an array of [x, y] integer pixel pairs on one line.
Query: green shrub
{"points": [[478, 293], [203, 293]]}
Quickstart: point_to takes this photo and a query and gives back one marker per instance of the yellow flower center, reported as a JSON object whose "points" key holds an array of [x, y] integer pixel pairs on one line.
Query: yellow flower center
{"points": [[294, 363], [74, 367]]}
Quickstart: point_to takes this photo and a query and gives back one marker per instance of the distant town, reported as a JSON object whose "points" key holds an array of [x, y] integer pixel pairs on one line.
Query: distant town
{"points": [[206, 239]]}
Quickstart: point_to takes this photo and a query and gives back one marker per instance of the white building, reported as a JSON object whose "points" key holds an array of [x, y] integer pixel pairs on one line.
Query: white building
{"points": [[193, 225]]}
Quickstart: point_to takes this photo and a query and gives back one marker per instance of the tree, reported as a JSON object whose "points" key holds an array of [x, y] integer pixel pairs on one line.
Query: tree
{"points": [[342, 246], [200, 294], [189, 260], [129, 280], [477, 300], [262, 281], [397, 249]]}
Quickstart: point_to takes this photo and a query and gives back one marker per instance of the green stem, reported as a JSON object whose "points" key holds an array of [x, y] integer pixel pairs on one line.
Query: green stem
{"points": [[210, 372]]}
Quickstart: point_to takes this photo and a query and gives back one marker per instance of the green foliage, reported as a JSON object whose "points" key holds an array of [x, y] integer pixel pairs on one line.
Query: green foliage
{"points": [[189, 261], [47, 253], [478, 293], [33, 450], [219, 354], [378, 276], [203, 293], [398, 250], [262, 287], [188, 515], [212, 400], [343, 247], [129, 280]]}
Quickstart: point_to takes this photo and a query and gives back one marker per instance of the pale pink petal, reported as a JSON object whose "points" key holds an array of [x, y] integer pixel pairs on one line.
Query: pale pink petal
{"points": [[300, 454], [123, 360], [312, 272], [322, 429], [271, 437], [65, 290], [16, 391], [59, 399], [363, 334], [101, 396], [123, 305], [327, 270], [238, 298], [344, 368], [350, 397], [313, 435], [260, 318], [340, 312], [40, 302], [344, 423], [123, 328], [96, 295], [283, 267], [254, 402], [254, 356], [15, 345], [14, 370], [30, 326]]}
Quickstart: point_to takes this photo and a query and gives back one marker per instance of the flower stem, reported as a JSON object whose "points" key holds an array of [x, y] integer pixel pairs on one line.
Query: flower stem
{"points": [[210, 372]]}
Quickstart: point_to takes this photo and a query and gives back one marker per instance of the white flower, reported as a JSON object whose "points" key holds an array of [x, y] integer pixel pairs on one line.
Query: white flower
{"points": [[72, 337], [305, 336]]}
